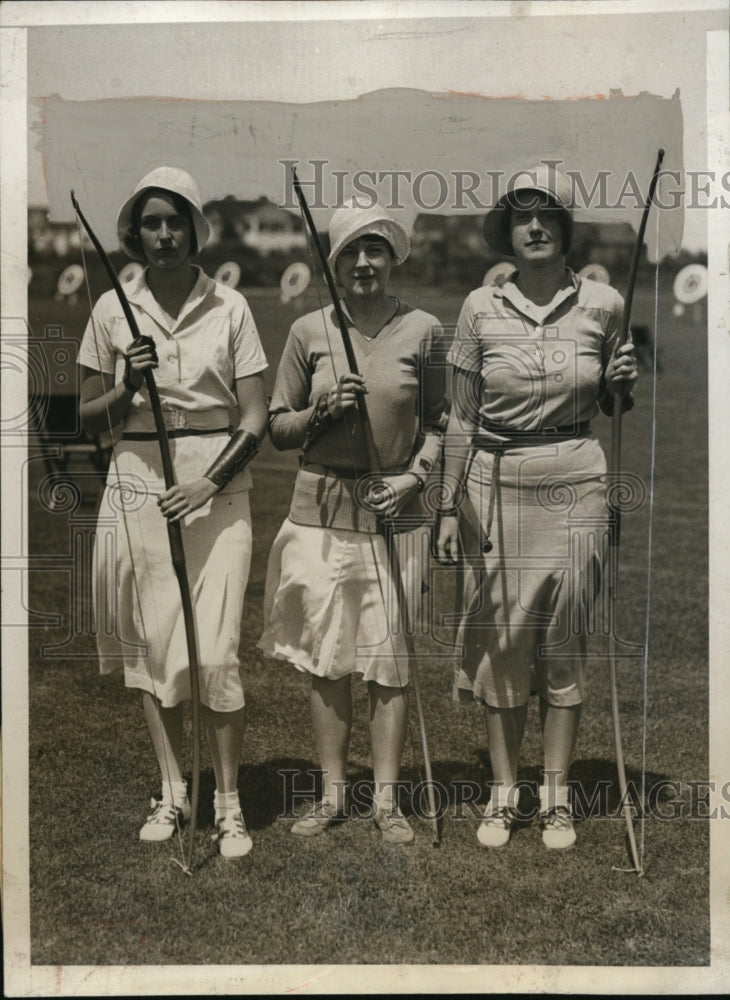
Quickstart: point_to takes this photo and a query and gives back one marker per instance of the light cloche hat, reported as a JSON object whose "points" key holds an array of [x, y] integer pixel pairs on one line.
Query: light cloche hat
{"points": [[349, 222], [543, 178], [171, 179]]}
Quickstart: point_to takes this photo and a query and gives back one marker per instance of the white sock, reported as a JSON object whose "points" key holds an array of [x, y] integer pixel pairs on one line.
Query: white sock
{"points": [[504, 795], [552, 796], [384, 795], [335, 793], [175, 792], [225, 803]]}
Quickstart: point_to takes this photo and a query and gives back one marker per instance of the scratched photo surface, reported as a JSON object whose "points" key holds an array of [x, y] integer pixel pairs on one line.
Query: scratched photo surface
{"points": [[429, 108]]}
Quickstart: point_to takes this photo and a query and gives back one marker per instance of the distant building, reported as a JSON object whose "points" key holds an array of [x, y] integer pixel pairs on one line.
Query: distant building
{"points": [[53, 239], [260, 225], [448, 249], [608, 243]]}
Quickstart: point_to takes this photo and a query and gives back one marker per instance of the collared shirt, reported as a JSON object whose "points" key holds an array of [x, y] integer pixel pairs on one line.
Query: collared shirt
{"points": [[212, 342], [539, 367]]}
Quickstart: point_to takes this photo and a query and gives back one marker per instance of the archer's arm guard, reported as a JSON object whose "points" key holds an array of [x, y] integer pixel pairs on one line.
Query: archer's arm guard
{"points": [[428, 452], [236, 455], [606, 400], [424, 460]]}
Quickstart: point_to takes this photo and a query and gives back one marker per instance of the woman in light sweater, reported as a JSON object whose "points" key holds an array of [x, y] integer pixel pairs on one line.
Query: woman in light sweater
{"points": [[329, 595]]}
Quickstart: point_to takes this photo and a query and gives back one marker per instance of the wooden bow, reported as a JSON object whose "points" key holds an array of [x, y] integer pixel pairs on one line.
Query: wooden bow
{"points": [[615, 522], [174, 534], [375, 467]]}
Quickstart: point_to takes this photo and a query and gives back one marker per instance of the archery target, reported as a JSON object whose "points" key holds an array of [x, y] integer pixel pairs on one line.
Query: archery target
{"points": [[228, 274], [294, 280], [130, 272], [498, 272], [595, 272], [690, 285], [71, 279]]}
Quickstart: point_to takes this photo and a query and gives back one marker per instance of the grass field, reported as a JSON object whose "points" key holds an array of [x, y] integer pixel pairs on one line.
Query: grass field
{"points": [[98, 896]]}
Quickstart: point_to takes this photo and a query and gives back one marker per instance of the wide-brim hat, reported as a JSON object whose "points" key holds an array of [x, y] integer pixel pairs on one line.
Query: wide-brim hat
{"points": [[542, 178], [349, 223], [171, 179]]}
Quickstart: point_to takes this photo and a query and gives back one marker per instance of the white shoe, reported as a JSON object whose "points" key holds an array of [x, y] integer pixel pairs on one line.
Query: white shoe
{"points": [[558, 832], [317, 819], [164, 820], [234, 840], [494, 830], [394, 827]]}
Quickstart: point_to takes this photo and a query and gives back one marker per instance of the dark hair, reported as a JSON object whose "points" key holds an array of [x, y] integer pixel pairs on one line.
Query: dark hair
{"points": [[182, 207]]}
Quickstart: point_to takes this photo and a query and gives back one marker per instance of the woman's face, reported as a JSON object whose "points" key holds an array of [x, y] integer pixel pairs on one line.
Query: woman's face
{"points": [[537, 236], [164, 231], [363, 266]]}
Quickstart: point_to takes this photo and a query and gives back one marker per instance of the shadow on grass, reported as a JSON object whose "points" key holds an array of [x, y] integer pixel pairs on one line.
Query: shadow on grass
{"points": [[275, 789], [283, 786], [595, 790]]}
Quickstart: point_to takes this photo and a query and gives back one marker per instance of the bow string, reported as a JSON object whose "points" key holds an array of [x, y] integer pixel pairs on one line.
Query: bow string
{"points": [[615, 524]]}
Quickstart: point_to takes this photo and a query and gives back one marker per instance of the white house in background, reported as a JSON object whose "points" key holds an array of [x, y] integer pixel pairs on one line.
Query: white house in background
{"points": [[266, 228], [260, 225]]}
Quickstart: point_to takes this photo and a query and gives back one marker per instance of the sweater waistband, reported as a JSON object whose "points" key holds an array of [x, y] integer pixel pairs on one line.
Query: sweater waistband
{"points": [[348, 474]]}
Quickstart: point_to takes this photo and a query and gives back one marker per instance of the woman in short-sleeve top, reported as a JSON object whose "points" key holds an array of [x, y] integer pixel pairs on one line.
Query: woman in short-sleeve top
{"points": [[200, 338], [535, 356]]}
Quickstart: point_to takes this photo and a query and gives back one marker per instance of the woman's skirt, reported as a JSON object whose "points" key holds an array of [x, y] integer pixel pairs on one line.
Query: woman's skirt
{"points": [[530, 604], [137, 607], [331, 606]]}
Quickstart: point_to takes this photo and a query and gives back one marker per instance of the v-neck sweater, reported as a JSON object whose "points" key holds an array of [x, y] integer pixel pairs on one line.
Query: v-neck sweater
{"points": [[405, 397]]}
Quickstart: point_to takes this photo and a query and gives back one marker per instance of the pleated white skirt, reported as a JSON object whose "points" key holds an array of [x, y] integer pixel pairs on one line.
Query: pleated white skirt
{"points": [[331, 607], [137, 607]]}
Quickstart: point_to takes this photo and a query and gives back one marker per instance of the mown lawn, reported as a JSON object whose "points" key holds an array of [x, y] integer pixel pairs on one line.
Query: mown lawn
{"points": [[98, 896]]}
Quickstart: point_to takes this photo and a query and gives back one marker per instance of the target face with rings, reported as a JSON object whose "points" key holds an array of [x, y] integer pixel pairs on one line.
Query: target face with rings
{"points": [[595, 272], [294, 280], [71, 279], [690, 285], [228, 274], [130, 272]]}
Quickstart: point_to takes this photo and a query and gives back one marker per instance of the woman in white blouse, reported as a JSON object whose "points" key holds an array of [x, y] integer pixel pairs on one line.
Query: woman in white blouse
{"points": [[201, 341]]}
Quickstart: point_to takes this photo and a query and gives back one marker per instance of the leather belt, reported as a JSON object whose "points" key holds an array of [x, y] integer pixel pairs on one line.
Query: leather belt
{"points": [[174, 433], [522, 438]]}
